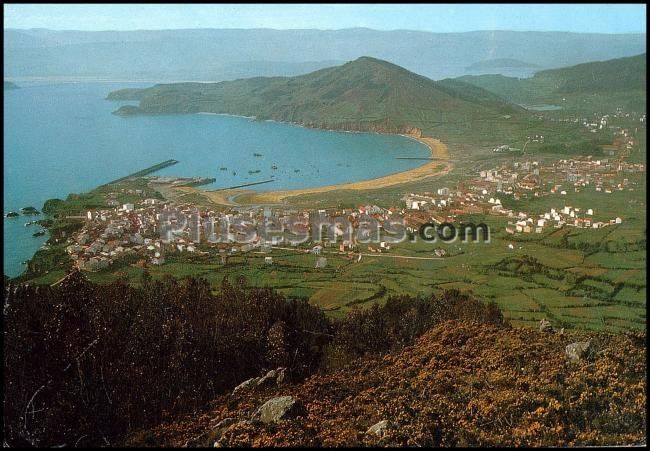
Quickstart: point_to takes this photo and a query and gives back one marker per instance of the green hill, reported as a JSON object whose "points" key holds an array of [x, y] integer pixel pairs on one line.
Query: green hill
{"points": [[619, 81], [621, 74], [364, 94]]}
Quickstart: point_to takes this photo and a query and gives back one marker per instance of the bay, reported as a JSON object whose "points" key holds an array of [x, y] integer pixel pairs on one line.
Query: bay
{"points": [[62, 138]]}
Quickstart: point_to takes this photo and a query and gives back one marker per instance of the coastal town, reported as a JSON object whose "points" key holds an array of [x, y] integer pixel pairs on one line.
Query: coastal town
{"points": [[132, 231]]}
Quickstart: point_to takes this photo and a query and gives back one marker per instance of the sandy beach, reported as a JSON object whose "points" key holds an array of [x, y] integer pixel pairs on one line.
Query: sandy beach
{"points": [[440, 166]]}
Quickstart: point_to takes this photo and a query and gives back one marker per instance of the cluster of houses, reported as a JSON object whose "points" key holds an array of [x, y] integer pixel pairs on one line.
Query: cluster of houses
{"points": [[109, 234], [133, 230], [520, 180], [568, 216], [537, 179]]}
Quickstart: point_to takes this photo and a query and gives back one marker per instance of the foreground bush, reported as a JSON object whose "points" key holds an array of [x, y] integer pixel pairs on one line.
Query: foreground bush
{"points": [[86, 364]]}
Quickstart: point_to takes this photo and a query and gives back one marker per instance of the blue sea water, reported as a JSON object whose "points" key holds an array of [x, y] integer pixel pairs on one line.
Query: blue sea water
{"points": [[62, 138]]}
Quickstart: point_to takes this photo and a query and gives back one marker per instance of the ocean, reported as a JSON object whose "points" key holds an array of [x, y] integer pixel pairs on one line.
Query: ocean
{"points": [[62, 138]]}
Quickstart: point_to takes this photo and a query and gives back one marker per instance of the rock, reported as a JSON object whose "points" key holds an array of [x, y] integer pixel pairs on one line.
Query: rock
{"points": [[277, 409], [379, 428], [246, 385], [213, 435], [282, 376], [545, 326], [580, 350], [267, 380]]}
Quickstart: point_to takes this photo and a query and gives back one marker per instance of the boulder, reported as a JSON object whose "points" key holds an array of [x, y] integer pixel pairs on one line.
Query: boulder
{"points": [[250, 383], [267, 380], [277, 409], [580, 350], [379, 428]]}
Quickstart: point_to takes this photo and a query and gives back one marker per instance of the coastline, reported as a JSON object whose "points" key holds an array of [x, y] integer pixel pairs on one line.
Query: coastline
{"points": [[440, 166]]}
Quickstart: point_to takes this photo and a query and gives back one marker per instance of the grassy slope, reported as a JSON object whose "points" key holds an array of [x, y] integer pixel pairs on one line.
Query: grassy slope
{"points": [[620, 81]]}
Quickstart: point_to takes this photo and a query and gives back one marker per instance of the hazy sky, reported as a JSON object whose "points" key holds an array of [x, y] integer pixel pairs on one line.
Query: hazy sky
{"points": [[600, 18]]}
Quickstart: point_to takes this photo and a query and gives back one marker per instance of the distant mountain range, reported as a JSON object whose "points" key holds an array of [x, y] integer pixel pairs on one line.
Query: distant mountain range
{"points": [[364, 94], [223, 54], [504, 66], [499, 63]]}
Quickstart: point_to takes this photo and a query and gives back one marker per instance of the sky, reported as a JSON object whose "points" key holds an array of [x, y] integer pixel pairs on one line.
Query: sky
{"points": [[580, 18]]}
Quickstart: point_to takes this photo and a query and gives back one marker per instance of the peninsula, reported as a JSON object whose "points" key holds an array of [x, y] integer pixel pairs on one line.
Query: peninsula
{"points": [[366, 94]]}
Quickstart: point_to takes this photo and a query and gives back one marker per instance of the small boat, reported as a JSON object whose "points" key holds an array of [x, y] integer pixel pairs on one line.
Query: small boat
{"points": [[11, 214], [41, 233], [222, 168], [257, 154], [296, 170], [234, 173], [255, 172], [30, 223], [274, 167]]}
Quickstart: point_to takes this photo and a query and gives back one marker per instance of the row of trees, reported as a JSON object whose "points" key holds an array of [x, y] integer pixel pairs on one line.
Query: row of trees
{"points": [[86, 364]]}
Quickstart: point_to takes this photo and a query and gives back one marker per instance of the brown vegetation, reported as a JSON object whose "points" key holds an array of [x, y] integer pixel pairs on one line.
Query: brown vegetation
{"points": [[462, 383]]}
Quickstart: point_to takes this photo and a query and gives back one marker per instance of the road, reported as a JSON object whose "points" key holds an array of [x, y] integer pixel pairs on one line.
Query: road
{"points": [[307, 251]]}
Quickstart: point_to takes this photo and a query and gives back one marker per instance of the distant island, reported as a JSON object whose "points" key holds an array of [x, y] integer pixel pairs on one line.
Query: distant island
{"points": [[10, 85]]}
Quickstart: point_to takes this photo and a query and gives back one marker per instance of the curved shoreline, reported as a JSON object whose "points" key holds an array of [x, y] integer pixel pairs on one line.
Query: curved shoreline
{"points": [[440, 166]]}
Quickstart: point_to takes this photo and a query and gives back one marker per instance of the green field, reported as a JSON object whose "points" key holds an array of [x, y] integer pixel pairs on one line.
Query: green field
{"points": [[537, 279]]}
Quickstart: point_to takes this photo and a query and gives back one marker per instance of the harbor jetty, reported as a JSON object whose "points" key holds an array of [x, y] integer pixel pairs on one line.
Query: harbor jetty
{"points": [[181, 181], [143, 172], [243, 186]]}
